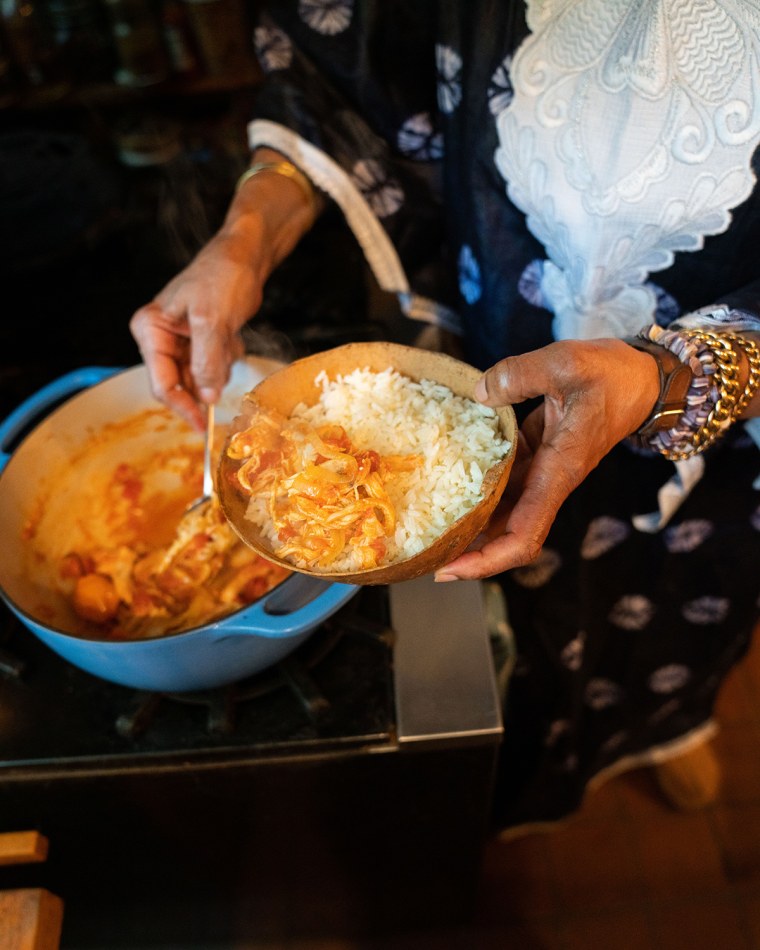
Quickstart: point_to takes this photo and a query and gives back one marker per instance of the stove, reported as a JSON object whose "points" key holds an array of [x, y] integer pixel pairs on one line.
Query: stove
{"points": [[345, 791], [336, 688]]}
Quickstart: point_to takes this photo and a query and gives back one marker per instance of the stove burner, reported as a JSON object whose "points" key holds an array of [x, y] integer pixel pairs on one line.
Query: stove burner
{"points": [[11, 665], [131, 725], [294, 673]]}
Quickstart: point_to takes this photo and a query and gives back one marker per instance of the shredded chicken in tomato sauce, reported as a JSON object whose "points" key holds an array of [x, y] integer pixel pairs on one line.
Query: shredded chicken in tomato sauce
{"points": [[323, 493], [142, 590]]}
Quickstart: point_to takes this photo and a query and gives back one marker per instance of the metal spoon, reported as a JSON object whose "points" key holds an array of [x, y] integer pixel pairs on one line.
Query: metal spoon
{"points": [[208, 474]]}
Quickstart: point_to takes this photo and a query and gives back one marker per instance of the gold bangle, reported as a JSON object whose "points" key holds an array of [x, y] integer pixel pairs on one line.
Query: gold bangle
{"points": [[730, 401], [287, 170]]}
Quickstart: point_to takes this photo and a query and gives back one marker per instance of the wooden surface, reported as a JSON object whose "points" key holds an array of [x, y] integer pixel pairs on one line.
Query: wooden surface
{"points": [[30, 919], [22, 847]]}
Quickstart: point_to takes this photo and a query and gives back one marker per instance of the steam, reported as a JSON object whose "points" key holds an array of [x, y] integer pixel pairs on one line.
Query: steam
{"points": [[268, 343], [181, 212]]}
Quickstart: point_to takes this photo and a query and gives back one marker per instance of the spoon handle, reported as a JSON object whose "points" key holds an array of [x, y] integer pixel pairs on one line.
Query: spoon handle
{"points": [[208, 475]]}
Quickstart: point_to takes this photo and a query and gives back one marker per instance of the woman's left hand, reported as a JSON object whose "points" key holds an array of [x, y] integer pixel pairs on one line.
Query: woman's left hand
{"points": [[596, 393]]}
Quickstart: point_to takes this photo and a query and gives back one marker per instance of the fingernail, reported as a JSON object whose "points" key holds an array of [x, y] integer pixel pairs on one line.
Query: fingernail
{"points": [[208, 395], [442, 578], [481, 393]]}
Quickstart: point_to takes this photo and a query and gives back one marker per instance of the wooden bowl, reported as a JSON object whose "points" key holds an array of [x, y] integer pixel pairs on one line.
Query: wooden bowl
{"points": [[294, 384]]}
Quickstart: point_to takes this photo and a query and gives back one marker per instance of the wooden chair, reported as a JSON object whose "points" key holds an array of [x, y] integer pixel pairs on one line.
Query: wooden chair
{"points": [[30, 917]]}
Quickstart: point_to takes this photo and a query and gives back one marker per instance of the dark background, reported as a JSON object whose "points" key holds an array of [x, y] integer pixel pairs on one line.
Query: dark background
{"points": [[110, 185]]}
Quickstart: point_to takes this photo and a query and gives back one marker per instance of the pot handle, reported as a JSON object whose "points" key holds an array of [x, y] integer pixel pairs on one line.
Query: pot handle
{"points": [[299, 603], [38, 402]]}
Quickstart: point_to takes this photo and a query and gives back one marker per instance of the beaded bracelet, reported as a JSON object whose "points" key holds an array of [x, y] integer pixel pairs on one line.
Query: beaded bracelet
{"points": [[713, 400], [701, 396], [287, 170]]}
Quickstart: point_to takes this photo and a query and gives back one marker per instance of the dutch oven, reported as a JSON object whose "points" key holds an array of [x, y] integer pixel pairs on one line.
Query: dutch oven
{"points": [[94, 400]]}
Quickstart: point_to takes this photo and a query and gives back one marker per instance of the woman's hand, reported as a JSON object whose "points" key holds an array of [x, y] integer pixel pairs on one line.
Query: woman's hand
{"points": [[595, 394], [189, 335]]}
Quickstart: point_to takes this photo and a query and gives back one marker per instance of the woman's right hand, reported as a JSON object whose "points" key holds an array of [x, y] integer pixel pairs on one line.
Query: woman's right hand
{"points": [[189, 334]]}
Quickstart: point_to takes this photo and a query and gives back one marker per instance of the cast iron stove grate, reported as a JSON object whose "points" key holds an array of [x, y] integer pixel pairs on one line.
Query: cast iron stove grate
{"points": [[295, 673], [336, 689]]}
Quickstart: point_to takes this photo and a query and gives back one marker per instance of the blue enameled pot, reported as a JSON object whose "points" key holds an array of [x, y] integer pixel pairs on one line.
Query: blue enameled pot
{"points": [[239, 645]]}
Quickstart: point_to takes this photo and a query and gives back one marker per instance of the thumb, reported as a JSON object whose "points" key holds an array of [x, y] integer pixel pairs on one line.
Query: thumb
{"points": [[516, 378]]}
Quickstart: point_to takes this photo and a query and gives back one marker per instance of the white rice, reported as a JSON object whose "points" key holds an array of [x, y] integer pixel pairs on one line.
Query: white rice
{"points": [[458, 439]]}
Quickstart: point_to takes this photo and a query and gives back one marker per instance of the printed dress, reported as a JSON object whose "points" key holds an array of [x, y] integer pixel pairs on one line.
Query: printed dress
{"points": [[519, 173]]}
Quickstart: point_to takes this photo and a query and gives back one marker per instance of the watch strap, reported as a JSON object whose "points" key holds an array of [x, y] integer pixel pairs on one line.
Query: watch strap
{"points": [[675, 380]]}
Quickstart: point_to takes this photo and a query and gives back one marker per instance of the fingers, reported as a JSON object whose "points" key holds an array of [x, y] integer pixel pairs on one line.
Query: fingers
{"points": [[165, 347], [544, 474], [593, 393], [547, 485], [188, 358], [213, 351], [189, 335], [487, 562], [181, 400]]}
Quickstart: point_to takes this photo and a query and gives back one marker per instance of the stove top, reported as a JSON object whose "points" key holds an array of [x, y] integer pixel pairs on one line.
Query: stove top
{"points": [[334, 690]]}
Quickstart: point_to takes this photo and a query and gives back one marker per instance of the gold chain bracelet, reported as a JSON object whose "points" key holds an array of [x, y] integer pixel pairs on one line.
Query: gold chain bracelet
{"points": [[752, 352], [726, 378]]}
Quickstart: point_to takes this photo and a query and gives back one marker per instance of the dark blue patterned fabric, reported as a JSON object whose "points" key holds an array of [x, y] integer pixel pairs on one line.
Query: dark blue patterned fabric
{"points": [[623, 637]]}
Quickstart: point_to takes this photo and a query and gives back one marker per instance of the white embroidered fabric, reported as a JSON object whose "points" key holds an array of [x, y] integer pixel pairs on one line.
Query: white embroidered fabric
{"points": [[629, 138]]}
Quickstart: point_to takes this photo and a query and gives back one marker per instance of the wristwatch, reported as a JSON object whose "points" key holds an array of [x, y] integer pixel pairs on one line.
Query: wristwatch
{"points": [[675, 379]]}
